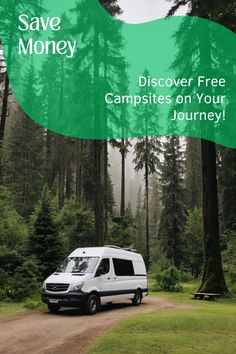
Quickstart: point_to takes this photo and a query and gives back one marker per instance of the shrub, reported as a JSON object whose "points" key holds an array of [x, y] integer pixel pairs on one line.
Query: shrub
{"points": [[24, 283], [18, 276], [32, 303], [169, 279]]}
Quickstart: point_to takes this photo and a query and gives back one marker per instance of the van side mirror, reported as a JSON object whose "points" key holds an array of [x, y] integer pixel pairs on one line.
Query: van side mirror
{"points": [[100, 271]]}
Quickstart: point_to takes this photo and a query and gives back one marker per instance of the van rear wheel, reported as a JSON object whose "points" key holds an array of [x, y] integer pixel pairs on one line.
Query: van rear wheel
{"points": [[53, 308], [137, 299], [92, 304]]}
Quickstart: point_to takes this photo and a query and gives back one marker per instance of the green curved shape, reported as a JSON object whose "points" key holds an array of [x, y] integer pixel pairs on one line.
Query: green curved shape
{"points": [[88, 75]]}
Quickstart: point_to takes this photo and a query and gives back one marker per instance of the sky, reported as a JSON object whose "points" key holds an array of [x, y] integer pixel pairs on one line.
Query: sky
{"points": [[138, 11]]}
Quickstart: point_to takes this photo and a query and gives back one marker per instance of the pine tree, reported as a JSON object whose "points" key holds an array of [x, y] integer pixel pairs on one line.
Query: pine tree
{"points": [[173, 215], [76, 225], [45, 243], [24, 155], [56, 100], [9, 10], [147, 151], [227, 177], [139, 220], [155, 211], [100, 62], [213, 277], [193, 178], [192, 242], [13, 230]]}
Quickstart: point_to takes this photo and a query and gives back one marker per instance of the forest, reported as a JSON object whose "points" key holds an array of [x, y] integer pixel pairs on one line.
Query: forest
{"points": [[57, 192]]}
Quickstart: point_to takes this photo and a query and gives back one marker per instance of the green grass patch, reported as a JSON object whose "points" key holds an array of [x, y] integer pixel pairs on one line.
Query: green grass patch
{"points": [[208, 328], [16, 308], [11, 308]]}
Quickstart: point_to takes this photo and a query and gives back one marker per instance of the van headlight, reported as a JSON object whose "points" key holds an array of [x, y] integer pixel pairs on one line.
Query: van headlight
{"points": [[44, 286], [77, 287]]}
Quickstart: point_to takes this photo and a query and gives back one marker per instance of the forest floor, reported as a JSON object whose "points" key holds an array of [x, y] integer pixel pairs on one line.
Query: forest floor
{"points": [[69, 331]]}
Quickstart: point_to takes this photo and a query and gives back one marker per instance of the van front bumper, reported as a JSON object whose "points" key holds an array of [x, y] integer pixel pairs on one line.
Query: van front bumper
{"points": [[70, 299]]}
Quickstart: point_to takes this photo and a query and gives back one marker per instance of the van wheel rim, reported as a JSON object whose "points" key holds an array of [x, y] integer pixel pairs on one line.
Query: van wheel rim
{"points": [[93, 305], [137, 298]]}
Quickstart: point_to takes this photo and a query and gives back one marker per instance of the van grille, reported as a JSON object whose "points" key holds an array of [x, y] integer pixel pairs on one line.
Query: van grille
{"points": [[57, 287]]}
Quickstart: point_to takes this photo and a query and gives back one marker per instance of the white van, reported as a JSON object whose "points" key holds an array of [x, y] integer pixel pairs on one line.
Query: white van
{"points": [[93, 276]]}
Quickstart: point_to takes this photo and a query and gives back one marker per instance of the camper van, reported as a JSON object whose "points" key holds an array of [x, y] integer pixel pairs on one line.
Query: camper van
{"points": [[91, 277]]}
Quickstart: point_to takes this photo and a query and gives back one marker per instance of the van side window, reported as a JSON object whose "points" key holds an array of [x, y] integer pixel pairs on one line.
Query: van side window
{"points": [[105, 263], [123, 267]]}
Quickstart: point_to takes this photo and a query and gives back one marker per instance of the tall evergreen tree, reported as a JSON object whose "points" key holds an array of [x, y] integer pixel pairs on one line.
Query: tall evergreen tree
{"points": [[139, 220], [192, 242], [193, 178], [24, 156], [173, 215], [45, 242], [213, 276], [155, 211], [100, 61], [147, 151], [227, 181], [9, 10]]}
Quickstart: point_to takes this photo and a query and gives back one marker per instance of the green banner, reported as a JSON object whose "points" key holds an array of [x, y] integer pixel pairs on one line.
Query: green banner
{"points": [[79, 72]]}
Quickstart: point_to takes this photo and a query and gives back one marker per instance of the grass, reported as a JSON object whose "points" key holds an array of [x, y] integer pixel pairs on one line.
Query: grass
{"points": [[17, 308], [209, 328], [11, 308]]}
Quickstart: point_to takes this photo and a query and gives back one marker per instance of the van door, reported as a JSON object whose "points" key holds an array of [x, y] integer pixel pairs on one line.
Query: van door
{"points": [[104, 278], [124, 285]]}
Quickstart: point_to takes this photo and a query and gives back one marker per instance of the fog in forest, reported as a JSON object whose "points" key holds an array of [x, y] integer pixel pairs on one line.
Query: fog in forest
{"points": [[135, 11]]}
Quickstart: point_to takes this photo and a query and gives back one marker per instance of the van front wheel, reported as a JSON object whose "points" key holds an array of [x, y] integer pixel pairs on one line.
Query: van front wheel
{"points": [[92, 305], [137, 299]]}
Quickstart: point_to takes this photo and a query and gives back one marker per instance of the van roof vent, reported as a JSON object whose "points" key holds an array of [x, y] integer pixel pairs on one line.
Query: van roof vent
{"points": [[120, 248], [130, 249], [112, 246]]}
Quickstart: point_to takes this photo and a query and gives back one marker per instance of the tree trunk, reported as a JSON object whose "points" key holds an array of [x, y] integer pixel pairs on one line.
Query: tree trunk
{"points": [[51, 167], [4, 109], [78, 181], [98, 192], [122, 199], [69, 179], [147, 209], [61, 192], [213, 276], [98, 208], [105, 190], [7, 84]]}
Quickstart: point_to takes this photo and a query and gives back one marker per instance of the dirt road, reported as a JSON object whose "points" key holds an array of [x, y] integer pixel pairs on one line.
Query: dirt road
{"points": [[69, 331]]}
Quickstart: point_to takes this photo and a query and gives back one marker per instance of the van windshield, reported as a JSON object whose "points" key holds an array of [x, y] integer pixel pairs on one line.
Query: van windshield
{"points": [[80, 265]]}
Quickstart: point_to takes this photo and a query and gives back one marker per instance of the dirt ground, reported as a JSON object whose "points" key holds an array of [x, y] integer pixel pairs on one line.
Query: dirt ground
{"points": [[69, 331]]}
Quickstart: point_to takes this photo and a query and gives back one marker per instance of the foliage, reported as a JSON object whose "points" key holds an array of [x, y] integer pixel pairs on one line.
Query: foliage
{"points": [[45, 242], [76, 225], [139, 223], [18, 275], [173, 213], [24, 163], [193, 240], [169, 279], [230, 259], [13, 230], [24, 283], [123, 230], [193, 177]]}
